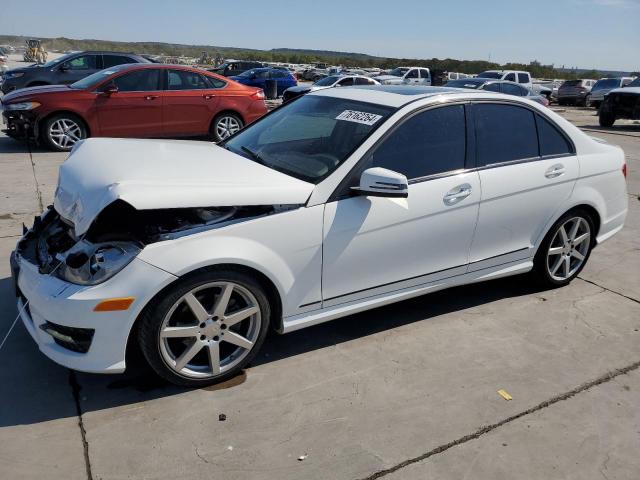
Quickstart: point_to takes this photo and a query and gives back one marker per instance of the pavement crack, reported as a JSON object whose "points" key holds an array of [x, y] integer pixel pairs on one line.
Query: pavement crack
{"points": [[35, 178], [75, 390], [609, 290], [489, 428]]}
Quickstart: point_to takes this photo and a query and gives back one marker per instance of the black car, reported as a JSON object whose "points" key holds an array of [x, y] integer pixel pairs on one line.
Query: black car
{"points": [[230, 69], [66, 69], [621, 103]]}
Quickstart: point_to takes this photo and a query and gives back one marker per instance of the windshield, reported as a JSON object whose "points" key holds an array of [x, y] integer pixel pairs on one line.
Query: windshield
{"points": [[463, 83], [56, 61], [635, 83], [606, 83], [398, 72], [327, 81], [311, 137], [94, 79], [490, 75]]}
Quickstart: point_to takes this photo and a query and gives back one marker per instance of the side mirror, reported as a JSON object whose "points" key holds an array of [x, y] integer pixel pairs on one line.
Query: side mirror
{"points": [[64, 67], [380, 182], [110, 89]]}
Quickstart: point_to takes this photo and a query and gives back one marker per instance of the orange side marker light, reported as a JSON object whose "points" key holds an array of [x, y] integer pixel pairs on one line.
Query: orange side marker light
{"points": [[114, 304]]}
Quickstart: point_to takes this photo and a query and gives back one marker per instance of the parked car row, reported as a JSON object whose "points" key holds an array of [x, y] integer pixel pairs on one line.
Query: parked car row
{"points": [[499, 86]]}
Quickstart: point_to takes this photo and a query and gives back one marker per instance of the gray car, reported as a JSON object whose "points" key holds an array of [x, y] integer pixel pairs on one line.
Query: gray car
{"points": [[499, 86], [66, 69], [604, 86], [328, 82]]}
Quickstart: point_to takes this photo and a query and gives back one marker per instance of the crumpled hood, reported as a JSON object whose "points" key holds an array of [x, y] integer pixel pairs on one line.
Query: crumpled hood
{"points": [[155, 174], [31, 92]]}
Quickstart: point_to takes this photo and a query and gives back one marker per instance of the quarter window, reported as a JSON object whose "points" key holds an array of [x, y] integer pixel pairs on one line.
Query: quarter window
{"points": [[426, 144], [146, 80], [346, 82], [552, 142], [504, 133], [186, 80], [214, 82], [510, 89]]}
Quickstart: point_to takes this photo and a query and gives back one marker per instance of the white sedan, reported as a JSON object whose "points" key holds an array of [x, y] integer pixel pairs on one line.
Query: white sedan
{"points": [[342, 201]]}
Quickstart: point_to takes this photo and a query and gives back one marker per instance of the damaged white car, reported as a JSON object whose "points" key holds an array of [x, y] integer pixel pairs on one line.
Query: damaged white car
{"points": [[341, 201]]}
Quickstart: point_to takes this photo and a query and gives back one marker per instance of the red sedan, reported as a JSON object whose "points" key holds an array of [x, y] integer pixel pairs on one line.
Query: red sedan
{"points": [[134, 100]]}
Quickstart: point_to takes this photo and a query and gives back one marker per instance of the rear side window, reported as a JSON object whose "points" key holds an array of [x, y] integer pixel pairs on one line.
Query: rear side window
{"points": [[214, 82], [146, 80], [552, 142], [492, 87], [412, 74], [424, 73], [523, 78], [186, 80], [363, 81], [346, 82], [113, 60], [504, 133], [511, 77], [428, 143], [510, 89]]}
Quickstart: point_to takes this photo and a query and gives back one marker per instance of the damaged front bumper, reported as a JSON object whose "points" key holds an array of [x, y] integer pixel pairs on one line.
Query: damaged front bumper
{"points": [[20, 124], [60, 315]]}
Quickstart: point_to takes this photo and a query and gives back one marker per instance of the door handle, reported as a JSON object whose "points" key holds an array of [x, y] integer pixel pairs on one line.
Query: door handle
{"points": [[457, 194], [208, 97], [150, 97], [555, 171]]}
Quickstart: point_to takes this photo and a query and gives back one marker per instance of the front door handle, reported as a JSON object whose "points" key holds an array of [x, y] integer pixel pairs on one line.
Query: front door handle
{"points": [[208, 97], [457, 194], [150, 97], [555, 171]]}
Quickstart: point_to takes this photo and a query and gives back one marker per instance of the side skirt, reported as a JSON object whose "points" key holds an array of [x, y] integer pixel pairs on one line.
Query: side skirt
{"points": [[297, 322]]}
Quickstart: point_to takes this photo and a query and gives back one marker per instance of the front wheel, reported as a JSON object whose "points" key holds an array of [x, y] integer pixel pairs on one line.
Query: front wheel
{"points": [[206, 328], [61, 132], [565, 249], [225, 125]]}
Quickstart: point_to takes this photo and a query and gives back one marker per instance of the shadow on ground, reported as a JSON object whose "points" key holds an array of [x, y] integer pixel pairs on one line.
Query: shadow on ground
{"points": [[37, 390]]}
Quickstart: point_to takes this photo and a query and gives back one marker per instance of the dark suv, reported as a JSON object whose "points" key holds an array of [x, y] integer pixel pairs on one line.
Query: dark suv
{"points": [[230, 69], [66, 69]]}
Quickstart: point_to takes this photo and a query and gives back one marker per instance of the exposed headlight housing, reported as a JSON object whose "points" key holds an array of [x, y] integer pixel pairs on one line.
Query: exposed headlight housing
{"points": [[90, 264], [21, 106]]}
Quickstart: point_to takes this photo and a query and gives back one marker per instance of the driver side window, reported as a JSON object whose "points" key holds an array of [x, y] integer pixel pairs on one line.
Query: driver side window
{"points": [[412, 74], [83, 62], [428, 143]]}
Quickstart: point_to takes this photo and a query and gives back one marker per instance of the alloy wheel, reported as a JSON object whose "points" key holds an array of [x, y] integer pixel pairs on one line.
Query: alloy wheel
{"points": [[64, 133], [568, 248], [210, 330], [227, 126]]}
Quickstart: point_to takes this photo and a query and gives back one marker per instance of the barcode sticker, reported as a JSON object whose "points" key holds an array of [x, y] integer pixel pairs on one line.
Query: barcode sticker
{"points": [[359, 117]]}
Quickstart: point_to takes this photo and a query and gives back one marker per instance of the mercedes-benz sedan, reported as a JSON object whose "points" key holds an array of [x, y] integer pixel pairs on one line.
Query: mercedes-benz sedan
{"points": [[342, 201]]}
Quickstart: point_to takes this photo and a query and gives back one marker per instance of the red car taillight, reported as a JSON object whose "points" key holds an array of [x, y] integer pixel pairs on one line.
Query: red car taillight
{"points": [[258, 95], [624, 170]]}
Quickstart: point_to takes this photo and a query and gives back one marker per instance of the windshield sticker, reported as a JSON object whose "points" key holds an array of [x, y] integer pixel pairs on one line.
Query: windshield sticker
{"points": [[359, 117]]}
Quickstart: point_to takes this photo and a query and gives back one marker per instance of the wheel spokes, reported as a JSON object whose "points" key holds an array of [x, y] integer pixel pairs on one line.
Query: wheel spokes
{"points": [[239, 316], [188, 354], [213, 352], [196, 307], [222, 302], [180, 332], [563, 235], [581, 238], [238, 340]]}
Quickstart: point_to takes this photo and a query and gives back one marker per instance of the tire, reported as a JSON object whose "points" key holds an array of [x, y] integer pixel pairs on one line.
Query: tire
{"points": [[585, 102], [606, 119], [61, 132], [225, 125], [179, 337], [558, 262]]}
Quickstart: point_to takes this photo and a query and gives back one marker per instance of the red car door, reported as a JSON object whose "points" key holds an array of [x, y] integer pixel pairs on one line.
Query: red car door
{"points": [[135, 109], [189, 103]]}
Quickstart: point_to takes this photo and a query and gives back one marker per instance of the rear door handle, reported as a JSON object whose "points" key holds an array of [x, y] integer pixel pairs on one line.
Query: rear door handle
{"points": [[555, 171], [208, 97], [457, 194], [150, 97]]}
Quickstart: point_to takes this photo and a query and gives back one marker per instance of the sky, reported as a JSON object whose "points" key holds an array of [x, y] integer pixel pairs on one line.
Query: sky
{"points": [[603, 34]]}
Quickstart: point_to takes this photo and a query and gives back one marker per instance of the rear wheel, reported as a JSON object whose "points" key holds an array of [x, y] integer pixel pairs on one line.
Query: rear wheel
{"points": [[606, 119], [206, 328], [225, 125], [62, 131], [565, 249]]}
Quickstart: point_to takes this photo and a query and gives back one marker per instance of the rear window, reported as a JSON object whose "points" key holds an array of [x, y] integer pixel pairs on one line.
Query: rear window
{"points": [[490, 75], [606, 83], [463, 84], [572, 83]]}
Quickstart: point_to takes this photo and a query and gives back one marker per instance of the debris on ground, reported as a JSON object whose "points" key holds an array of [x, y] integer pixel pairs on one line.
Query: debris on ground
{"points": [[222, 417], [302, 457], [504, 394]]}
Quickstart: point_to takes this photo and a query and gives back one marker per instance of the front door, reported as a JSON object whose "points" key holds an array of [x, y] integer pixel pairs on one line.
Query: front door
{"points": [[189, 104], [135, 110], [528, 168], [376, 245], [78, 68]]}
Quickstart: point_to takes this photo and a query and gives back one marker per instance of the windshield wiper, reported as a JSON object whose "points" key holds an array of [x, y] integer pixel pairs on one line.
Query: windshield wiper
{"points": [[254, 155]]}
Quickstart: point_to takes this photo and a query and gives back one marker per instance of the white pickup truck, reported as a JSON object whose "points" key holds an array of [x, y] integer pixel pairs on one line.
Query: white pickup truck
{"points": [[518, 76], [406, 76]]}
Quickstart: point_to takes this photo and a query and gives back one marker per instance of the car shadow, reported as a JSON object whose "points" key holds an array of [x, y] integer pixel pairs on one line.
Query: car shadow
{"points": [[34, 389], [11, 145], [614, 129]]}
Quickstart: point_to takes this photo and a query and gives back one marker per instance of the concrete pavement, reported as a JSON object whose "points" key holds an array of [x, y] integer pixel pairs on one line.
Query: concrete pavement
{"points": [[403, 391]]}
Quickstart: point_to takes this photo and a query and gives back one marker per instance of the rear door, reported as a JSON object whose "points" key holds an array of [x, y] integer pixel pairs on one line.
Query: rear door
{"points": [[527, 169], [136, 109], [412, 77], [189, 103], [113, 59], [79, 67], [425, 76]]}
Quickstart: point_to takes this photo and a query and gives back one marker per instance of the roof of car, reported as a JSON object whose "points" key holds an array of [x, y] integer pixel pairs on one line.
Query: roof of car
{"points": [[389, 95]]}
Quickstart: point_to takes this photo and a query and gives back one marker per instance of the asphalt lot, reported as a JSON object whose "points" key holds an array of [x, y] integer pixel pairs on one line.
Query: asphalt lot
{"points": [[405, 391]]}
